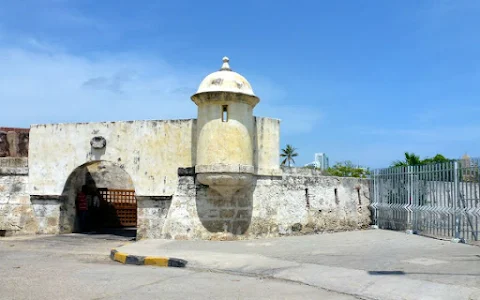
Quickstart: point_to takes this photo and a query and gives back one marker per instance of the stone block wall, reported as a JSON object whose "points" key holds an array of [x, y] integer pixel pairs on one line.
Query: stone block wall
{"points": [[301, 201], [151, 215], [304, 201], [16, 211], [47, 212], [298, 202]]}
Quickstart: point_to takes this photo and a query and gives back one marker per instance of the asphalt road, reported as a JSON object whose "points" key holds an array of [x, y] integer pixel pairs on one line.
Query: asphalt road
{"points": [[78, 267]]}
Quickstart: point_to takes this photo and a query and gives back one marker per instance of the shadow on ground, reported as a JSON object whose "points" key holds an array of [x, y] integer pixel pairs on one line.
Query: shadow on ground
{"points": [[120, 234]]}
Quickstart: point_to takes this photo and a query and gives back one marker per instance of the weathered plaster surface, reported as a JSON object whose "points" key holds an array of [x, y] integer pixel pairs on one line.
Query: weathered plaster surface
{"points": [[267, 146], [149, 151], [151, 215], [296, 203], [107, 175], [16, 213], [228, 142], [222, 81], [305, 204], [47, 212]]}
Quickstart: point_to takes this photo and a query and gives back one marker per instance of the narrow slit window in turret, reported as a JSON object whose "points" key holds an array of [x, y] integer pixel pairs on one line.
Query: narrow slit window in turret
{"points": [[224, 113]]}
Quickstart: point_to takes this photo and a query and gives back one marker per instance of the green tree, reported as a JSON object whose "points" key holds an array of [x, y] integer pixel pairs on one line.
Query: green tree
{"points": [[411, 159], [288, 155], [437, 159], [347, 169]]}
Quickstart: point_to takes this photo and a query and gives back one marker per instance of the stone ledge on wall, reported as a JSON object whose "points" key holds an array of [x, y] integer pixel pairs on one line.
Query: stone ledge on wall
{"points": [[224, 168], [13, 162], [13, 171], [301, 171], [153, 198], [10, 166], [268, 172], [189, 171], [47, 197]]}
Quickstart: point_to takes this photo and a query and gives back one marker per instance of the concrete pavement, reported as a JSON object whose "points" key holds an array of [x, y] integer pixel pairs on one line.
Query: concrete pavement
{"points": [[78, 267], [372, 264]]}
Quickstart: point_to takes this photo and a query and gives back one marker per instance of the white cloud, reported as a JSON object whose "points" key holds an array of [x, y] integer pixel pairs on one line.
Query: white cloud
{"points": [[42, 87], [41, 83]]}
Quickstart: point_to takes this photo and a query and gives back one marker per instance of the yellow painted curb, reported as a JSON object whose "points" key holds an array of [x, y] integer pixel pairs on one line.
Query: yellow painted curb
{"points": [[156, 261], [159, 261], [120, 257]]}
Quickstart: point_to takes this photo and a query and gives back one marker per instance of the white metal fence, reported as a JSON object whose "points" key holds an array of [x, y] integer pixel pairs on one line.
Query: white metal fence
{"points": [[439, 200]]}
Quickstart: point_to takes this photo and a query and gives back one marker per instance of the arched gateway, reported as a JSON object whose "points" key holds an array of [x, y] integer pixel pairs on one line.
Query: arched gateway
{"points": [[109, 195]]}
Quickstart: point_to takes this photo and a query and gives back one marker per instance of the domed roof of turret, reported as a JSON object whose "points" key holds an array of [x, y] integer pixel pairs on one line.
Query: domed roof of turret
{"points": [[225, 80]]}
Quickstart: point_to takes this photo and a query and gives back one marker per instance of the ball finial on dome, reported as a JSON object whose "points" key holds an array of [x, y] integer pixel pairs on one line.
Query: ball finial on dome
{"points": [[225, 66], [225, 80]]}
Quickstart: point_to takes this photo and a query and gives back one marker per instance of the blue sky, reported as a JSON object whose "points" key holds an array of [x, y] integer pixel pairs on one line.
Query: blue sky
{"points": [[360, 80]]}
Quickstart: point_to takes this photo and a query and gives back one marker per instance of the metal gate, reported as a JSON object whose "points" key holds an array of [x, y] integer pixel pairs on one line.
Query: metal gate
{"points": [[439, 200], [119, 208]]}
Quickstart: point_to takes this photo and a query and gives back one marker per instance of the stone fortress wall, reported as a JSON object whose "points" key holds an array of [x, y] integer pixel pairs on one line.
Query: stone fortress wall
{"points": [[214, 177], [296, 202], [16, 210], [299, 201]]}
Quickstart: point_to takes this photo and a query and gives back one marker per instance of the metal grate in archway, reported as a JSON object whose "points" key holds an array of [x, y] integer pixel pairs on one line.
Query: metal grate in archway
{"points": [[120, 208]]}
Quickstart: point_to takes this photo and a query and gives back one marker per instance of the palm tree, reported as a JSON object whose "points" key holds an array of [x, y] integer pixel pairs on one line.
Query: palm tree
{"points": [[411, 159], [288, 154]]}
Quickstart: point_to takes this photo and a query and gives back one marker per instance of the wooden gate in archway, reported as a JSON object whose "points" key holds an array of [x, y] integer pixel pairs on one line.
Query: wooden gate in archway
{"points": [[119, 208]]}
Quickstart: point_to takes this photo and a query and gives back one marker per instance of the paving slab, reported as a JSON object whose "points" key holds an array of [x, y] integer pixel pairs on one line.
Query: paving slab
{"points": [[70, 267], [373, 263]]}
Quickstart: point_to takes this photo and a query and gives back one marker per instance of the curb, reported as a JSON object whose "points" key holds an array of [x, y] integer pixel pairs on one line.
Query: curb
{"points": [[159, 261]]}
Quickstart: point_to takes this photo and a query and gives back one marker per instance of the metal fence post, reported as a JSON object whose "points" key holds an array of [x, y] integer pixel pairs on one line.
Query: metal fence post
{"points": [[409, 199], [456, 199], [375, 198]]}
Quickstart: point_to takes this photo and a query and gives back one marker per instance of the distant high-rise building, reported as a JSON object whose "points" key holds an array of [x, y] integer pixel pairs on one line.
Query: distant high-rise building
{"points": [[469, 168], [320, 162]]}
